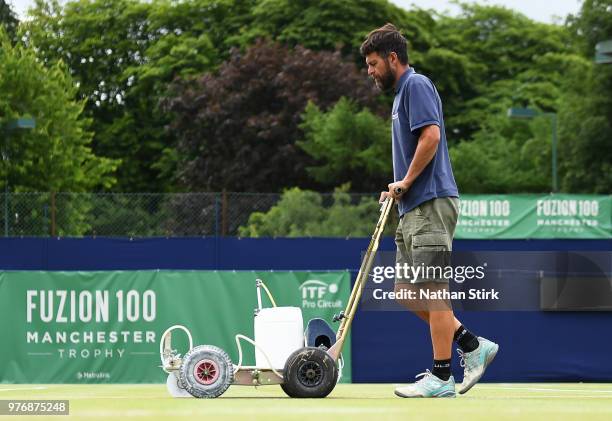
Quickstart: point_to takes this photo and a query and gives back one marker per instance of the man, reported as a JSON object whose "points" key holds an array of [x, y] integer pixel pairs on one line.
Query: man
{"points": [[428, 207]]}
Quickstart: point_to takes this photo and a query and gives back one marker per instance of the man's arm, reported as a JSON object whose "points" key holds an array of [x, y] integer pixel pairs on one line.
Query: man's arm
{"points": [[425, 151]]}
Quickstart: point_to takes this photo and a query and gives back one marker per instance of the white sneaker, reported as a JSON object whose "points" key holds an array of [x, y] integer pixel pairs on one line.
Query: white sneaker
{"points": [[476, 362], [429, 386]]}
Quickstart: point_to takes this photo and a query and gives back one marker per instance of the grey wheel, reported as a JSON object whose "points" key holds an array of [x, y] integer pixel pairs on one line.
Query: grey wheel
{"points": [[309, 373], [206, 371]]}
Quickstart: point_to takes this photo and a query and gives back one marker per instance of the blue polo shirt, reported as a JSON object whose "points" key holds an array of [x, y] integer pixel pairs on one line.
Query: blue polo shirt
{"points": [[417, 104]]}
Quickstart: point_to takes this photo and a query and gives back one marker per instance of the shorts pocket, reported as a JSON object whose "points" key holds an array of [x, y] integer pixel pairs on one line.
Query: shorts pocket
{"points": [[418, 211], [432, 240], [432, 251]]}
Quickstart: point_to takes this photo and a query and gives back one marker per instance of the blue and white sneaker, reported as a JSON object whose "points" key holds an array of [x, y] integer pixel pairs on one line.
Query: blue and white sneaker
{"points": [[476, 362], [429, 386]]}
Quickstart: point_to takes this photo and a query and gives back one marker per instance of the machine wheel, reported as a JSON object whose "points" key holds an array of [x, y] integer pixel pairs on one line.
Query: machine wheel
{"points": [[206, 371], [309, 373]]}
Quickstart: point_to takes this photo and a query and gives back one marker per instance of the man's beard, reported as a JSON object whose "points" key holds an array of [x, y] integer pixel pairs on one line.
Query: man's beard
{"points": [[387, 79]]}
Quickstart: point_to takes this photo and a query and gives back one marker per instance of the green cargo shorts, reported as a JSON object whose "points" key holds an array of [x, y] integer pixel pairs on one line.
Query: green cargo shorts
{"points": [[424, 238]]}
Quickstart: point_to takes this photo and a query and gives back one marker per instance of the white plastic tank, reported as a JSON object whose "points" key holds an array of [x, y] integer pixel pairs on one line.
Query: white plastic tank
{"points": [[278, 331]]}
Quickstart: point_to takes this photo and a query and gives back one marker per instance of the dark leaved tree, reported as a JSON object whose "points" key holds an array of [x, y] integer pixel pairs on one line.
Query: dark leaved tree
{"points": [[237, 128]]}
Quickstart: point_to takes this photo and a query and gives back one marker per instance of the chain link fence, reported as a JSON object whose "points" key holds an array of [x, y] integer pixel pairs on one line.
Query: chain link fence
{"points": [[136, 214]]}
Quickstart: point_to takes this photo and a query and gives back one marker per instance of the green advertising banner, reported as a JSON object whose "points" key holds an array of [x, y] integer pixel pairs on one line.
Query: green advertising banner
{"points": [[105, 327], [555, 216]]}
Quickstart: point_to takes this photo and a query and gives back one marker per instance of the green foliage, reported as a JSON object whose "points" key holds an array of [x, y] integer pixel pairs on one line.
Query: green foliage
{"points": [[124, 54], [510, 156], [591, 25], [329, 25], [56, 155], [98, 40], [8, 20], [586, 106], [226, 114], [505, 157], [237, 128], [140, 215], [511, 62], [301, 213], [498, 56], [350, 145]]}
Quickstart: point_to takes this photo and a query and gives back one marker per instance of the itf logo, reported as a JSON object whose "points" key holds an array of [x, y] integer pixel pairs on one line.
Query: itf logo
{"points": [[318, 294]]}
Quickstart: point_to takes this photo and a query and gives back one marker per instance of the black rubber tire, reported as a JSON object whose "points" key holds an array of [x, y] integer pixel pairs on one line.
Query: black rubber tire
{"points": [[309, 373], [222, 363], [285, 389]]}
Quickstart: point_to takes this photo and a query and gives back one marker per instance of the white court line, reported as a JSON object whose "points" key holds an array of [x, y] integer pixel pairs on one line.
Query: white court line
{"points": [[341, 398], [539, 397], [39, 353], [23, 388], [543, 389]]}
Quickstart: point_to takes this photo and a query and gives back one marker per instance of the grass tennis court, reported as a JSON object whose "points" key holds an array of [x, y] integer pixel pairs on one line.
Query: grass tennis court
{"points": [[485, 401]]}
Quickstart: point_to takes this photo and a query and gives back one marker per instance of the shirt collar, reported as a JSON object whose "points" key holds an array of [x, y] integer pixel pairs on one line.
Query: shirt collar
{"points": [[403, 79]]}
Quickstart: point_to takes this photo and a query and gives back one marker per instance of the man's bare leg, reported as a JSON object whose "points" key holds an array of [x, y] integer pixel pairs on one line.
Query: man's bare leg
{"points": [[438, 382], [442, 328], [419, 309], [424, 315]]}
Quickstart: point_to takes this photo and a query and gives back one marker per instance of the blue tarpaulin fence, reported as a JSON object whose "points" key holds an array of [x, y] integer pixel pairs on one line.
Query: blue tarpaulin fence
{"points": [[387, 346]]}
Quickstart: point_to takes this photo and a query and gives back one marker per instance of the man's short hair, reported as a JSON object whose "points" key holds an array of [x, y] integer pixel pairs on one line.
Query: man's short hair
{"points": [[385, 40]]}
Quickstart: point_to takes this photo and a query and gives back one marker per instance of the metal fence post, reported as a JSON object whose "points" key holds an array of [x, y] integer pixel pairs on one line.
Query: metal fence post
{"points": [[53, 226], [217, 200], [224, 214], [6, 210], [555, 179], [45, 220]]}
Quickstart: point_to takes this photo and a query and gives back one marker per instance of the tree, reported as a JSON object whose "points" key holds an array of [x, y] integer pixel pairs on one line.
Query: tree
{"points": [[350, 145], [8, 20], [56, 155], [123, 54], [503, 60], [494, 47], [506, 156], [303, 213], [586, 106], [591, 25], [98, 40], [237, 128], [331, 25]]}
